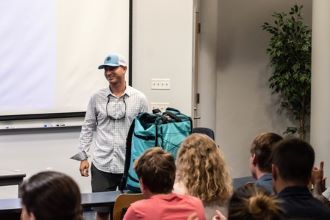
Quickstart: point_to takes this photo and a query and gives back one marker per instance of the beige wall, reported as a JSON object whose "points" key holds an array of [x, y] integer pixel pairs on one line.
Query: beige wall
{"points": [[245, 106], [320, 120]]}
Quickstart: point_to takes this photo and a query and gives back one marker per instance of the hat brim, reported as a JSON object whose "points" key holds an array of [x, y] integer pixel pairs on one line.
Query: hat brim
{"points": [[104, 65]]}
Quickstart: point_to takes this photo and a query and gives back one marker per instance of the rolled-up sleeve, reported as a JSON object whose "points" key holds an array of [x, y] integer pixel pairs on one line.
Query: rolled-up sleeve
{"points": [[86, 134]]}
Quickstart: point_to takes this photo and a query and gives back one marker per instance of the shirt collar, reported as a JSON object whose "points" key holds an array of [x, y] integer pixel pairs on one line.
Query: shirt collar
{"points": [[169, 196], [266, 176], [128, 92], [295, 191]]}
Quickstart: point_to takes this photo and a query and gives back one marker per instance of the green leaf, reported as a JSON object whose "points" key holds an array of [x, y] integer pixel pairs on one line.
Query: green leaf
{"points": [[289, 51]]}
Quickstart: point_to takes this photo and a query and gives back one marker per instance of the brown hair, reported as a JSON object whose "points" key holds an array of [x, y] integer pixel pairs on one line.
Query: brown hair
{"points": [[262, 147], [202, 169], [156, 168], [252, 203], [52, 195]]}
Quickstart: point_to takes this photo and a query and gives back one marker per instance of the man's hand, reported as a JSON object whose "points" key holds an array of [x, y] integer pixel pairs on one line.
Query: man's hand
{"points": [[219, 216], [193, 216], [318, 179], [84, 167]]}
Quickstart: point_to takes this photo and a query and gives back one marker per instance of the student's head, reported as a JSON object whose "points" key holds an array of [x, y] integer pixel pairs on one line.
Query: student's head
{"points": [[50, 195], [156, 171], [252, 203], [201, 168], [261, 151], [293, 161]]}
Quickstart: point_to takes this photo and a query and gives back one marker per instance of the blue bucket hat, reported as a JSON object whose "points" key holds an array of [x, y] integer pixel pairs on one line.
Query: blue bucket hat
{"points": [[113, 60]]}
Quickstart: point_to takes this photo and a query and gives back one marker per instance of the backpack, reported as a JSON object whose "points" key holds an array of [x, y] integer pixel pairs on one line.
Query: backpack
{"points": [[166, 130]]}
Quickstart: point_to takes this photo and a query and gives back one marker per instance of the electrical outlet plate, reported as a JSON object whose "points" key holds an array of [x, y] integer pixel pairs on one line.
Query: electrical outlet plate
{"points": [[160, 105], [160, 84]]}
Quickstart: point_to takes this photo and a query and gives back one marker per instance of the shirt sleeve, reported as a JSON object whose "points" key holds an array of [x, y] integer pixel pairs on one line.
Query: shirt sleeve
{"points": [[130, 214], [90, 122], [326, 193], [200, 209]]}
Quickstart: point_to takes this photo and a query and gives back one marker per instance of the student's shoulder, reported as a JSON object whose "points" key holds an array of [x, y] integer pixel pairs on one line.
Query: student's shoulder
{"points": [[191, 199], [197, 204], [195, 199], [141, 204]]}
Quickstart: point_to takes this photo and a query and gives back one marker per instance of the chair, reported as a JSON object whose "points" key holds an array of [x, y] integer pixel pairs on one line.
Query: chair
{"points": [[122, 203], [207, 131], [241, 181]]}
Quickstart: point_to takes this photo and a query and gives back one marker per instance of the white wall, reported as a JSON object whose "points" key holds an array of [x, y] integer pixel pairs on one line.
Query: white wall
{"points": [[35, 151], [162, 41], [163, 48]]}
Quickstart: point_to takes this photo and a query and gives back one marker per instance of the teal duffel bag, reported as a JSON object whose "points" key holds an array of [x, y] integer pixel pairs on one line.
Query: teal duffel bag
{"points": [[166, 130]]}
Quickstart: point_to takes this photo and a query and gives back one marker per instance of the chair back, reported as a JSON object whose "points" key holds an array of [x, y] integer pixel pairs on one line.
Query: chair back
{"points": [[207, 131], [122, 203]]}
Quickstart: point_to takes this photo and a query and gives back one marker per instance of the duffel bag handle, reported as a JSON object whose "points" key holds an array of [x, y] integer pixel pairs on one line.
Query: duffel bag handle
{"points": [[156, 111], [172, 116], [172, 110]]}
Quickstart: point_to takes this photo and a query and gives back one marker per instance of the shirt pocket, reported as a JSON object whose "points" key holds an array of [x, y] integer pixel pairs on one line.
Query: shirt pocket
{"points": [[101, 117], [132, 112]]}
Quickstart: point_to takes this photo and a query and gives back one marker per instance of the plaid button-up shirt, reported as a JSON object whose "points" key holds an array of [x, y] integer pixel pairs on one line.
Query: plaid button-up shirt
{"points": [[110, 134]]}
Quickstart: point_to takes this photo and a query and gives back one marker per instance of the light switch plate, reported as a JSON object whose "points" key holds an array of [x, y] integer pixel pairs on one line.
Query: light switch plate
{"points": [[160, 84]]}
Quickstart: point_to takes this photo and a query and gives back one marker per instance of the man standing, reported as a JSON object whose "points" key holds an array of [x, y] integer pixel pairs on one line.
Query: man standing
{"points": [[261, 161], [109, 113], [293, 161]]}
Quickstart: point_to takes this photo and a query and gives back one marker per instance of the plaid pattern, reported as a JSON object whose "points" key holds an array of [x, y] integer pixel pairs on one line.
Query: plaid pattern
{"points": [[110, 135]]}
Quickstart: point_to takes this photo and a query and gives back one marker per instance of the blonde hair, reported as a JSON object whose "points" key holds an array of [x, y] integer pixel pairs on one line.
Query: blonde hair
{"points": [[252, 203], [201, 168]]}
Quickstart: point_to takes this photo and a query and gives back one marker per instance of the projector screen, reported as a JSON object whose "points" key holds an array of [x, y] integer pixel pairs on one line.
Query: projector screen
{"points": [[50, 51]]}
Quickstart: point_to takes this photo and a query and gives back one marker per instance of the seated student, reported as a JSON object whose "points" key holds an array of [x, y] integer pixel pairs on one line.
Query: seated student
{"points": [[260, 160], [50, 195], [250, 202], [202, 172], [156, 172], [293, 161]]}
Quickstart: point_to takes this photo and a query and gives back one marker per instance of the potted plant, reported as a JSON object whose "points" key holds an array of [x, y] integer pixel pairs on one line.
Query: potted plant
{"points": [[289, 50]]}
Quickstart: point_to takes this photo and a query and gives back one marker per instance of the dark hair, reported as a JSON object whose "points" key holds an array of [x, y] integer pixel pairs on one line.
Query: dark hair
{"points": [[294, 159], [252, 203], [262, 147], [52, 195], [156, 168]]}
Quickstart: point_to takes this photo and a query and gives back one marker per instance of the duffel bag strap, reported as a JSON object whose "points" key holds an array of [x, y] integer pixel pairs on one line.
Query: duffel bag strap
{"points": [[170, 109], [123, 181]]}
